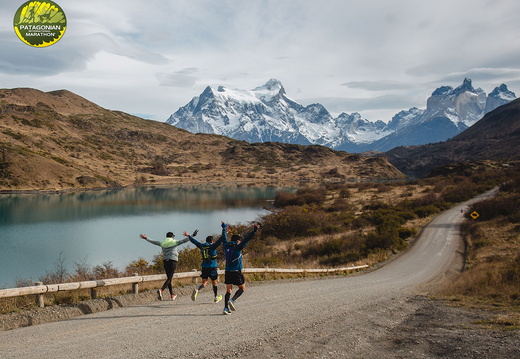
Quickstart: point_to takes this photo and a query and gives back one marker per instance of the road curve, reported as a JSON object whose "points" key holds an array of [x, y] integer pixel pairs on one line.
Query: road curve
{"points": [[338, 317]]}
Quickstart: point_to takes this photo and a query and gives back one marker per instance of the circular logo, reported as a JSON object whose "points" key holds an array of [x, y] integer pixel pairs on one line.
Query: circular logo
{"points": [[40, 23]]}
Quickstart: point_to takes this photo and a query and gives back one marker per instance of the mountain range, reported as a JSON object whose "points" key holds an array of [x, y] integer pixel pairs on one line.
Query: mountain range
{"points": [[267, 114], [58, 140]]}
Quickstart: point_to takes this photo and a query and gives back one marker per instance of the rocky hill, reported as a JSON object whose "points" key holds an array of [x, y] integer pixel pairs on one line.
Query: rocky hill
{"points": [[494, 137], [58, 140]]}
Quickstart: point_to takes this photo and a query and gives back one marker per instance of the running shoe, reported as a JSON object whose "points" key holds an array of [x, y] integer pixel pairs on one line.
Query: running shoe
{"points": [[217, 299], [231, 305], [174, 296], [194, 294], [159, 294], [226, 311]]}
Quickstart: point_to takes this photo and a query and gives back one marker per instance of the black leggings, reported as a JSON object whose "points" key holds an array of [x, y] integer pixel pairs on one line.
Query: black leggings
{"points": [[169, 267]]}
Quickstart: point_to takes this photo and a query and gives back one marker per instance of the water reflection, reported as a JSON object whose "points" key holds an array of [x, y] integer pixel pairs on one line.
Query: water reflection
{"points": [[95, 227], [34, 208]]}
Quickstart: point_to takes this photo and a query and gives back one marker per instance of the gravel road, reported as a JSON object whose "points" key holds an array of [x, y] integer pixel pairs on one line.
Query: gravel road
{"points": [[381, 314]]}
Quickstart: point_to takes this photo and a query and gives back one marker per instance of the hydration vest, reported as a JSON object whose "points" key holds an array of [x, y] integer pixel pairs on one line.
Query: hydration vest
{"points": [[229, 249], [206, 256]]}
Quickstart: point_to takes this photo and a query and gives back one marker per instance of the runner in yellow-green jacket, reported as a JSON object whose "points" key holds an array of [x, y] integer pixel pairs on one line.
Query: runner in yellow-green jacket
{"points": [[171, 256]]}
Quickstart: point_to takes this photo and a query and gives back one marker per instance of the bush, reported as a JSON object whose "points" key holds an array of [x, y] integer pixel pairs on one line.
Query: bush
{"points": [[386, 236], [106, 270], [139, 266], [345, 192], [302, 197], [382, 216], [189, 259], [339, 204], [58, 274], [284, 199], [426, 211], [340, 259], [293, 222], [337, 248], [405, 233]]}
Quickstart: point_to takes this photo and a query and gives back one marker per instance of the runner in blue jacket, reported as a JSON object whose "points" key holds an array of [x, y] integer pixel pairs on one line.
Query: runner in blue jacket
{"points": [[209, 265], [233, 273]]}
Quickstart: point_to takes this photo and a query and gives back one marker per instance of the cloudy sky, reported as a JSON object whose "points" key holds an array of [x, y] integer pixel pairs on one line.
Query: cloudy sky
{"points": [[375, 57]]}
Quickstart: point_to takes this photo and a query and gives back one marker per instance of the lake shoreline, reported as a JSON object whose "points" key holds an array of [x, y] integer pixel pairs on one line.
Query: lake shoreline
{"points": [[261, 183]]}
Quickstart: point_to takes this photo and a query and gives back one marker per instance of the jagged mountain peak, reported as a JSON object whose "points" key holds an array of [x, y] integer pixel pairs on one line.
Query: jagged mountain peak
{"points": [[443, 90], [272, 89], [271, 85], [465, 87], [498, 97], [502, 92]]}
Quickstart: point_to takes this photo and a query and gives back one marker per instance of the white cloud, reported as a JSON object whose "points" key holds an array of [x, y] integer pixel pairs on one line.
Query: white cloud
{"points": [[182, 78], [372, 57]]}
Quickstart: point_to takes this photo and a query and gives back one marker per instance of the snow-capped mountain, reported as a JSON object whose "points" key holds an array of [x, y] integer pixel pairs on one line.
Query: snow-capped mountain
{"points": [[448, 112], [498, 97], [266, 113]]}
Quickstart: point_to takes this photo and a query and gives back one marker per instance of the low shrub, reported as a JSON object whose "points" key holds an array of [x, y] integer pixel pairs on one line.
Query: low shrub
{"points": [[335, 247], [426, 211], [339, 259], [302, 196], [293, 221]]}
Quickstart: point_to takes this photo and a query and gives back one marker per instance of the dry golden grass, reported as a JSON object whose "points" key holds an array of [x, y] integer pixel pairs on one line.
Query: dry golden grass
{"points": [[492, 250]]}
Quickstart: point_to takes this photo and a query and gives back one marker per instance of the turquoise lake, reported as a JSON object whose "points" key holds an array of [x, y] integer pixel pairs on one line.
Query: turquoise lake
{"points": [[37, 231]]}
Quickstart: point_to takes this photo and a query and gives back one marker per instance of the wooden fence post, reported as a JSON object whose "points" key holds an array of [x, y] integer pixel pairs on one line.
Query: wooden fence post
{"points": [[39, 297], [93, 291], [135, 286]]}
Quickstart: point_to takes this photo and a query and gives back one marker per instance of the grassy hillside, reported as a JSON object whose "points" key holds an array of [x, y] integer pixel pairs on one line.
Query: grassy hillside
{"points": [[58, 140]]}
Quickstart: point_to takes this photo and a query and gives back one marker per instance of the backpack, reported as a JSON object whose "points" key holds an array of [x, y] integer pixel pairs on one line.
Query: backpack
{"points": [[206, 256], [230, 248]]}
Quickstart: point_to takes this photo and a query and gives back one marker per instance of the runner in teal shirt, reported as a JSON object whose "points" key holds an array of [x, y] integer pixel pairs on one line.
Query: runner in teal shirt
{"points": [[209, 264]]}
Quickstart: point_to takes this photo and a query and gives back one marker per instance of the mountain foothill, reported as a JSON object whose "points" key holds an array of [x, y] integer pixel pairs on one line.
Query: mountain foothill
{"points": [[54, 141]]}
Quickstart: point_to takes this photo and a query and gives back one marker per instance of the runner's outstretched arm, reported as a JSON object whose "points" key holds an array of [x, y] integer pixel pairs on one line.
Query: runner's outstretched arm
{"points": [[223, 237], [249, 236], [192, 240], [143, 236]]}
